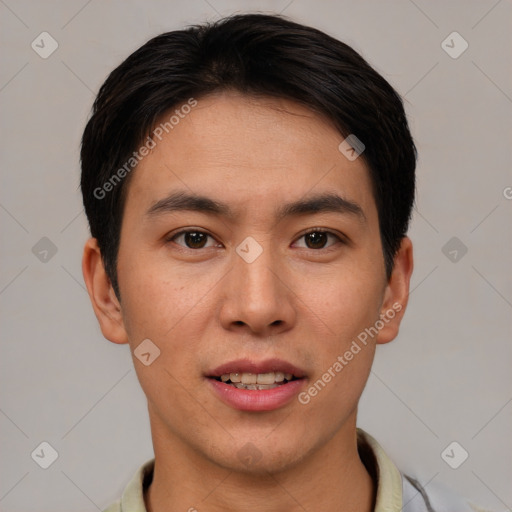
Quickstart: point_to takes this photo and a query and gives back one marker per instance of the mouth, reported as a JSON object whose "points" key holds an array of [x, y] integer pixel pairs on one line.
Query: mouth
{"points": [[256, 386]]}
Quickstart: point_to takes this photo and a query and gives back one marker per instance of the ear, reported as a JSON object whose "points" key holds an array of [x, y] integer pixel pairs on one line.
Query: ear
{"points": [[103, 298], [396, 294]]}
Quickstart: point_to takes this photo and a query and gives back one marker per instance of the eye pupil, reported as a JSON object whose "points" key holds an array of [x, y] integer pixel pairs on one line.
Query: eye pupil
{"points": [[195, 239], [317, 239]]}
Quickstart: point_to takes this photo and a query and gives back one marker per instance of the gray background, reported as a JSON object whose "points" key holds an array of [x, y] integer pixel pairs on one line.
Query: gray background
{"points": [[446, 378]]}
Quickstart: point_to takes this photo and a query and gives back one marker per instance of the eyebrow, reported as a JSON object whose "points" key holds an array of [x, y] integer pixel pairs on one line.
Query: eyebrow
{"points": [[320, 203]]}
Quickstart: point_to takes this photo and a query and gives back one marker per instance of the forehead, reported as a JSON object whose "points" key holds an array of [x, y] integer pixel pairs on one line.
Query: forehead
{"points": [[246, 150]]}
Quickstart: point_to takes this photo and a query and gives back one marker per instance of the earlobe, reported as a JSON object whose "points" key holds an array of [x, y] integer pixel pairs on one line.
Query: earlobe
{"points": [[103, 298], [397, 293]]}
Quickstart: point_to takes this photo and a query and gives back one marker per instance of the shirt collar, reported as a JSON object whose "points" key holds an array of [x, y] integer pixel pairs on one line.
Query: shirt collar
{"points": [[389, 479]]}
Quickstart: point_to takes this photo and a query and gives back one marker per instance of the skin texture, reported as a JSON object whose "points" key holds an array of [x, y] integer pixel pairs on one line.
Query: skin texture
{"points": [[297, 301]]}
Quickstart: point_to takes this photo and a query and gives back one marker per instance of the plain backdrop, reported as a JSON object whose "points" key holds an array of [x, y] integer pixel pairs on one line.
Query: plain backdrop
{"points": [[445, 378]]}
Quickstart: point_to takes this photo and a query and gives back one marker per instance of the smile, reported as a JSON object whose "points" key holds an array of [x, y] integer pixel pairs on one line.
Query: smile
{"points": [[256, 386]]}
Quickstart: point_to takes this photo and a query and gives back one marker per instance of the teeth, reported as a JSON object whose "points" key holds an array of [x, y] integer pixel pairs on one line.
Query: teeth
{"points": [[249, 379], [266, 378]]}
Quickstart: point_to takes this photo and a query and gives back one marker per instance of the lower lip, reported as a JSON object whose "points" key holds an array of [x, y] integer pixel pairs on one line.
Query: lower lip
{"points": [[256, 400]]}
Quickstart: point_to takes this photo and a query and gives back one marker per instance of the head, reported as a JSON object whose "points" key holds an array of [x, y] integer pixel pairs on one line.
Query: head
{"points": [[229, 222]]}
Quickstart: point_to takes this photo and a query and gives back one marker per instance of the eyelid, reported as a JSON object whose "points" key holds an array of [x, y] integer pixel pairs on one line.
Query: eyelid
{"points": [[174, 234], [322, 230]]}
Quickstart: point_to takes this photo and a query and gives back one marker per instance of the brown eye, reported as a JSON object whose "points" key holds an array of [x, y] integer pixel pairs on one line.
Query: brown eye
{"points": [[318, 239], [192, 239], [195, 239]]}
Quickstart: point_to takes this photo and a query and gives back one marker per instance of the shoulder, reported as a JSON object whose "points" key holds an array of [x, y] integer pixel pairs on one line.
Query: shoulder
{"points": [[397, 491], [434, 498]]}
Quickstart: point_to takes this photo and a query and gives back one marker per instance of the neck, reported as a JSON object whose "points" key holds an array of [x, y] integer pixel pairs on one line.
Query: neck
{"points": [[332, 476]]}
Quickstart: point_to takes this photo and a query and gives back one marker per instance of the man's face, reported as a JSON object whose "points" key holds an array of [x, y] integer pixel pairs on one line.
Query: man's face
{"points": [[256, 286]]}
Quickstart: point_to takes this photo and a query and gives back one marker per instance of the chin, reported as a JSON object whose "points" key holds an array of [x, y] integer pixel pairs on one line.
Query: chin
{"points": [[259, 457]]}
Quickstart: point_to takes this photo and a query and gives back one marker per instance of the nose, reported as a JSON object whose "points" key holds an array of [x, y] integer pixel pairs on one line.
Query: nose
{"points": [[256, 298]]}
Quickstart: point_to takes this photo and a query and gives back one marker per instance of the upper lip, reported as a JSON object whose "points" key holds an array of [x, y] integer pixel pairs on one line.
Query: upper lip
{"points": [[251, 366]]}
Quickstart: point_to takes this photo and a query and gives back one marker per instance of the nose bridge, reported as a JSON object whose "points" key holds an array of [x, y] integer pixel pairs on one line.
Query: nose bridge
{"points": [[255, 270], [256, 296]]}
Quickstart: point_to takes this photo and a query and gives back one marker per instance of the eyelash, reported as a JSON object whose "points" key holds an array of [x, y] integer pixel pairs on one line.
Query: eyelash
{"points": [[339, 238]]}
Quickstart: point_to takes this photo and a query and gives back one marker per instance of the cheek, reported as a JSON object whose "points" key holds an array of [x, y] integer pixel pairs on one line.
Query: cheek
{"points": [[172, 315], [173, 308], [348, 307], [346, 301], [159, 298]]}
